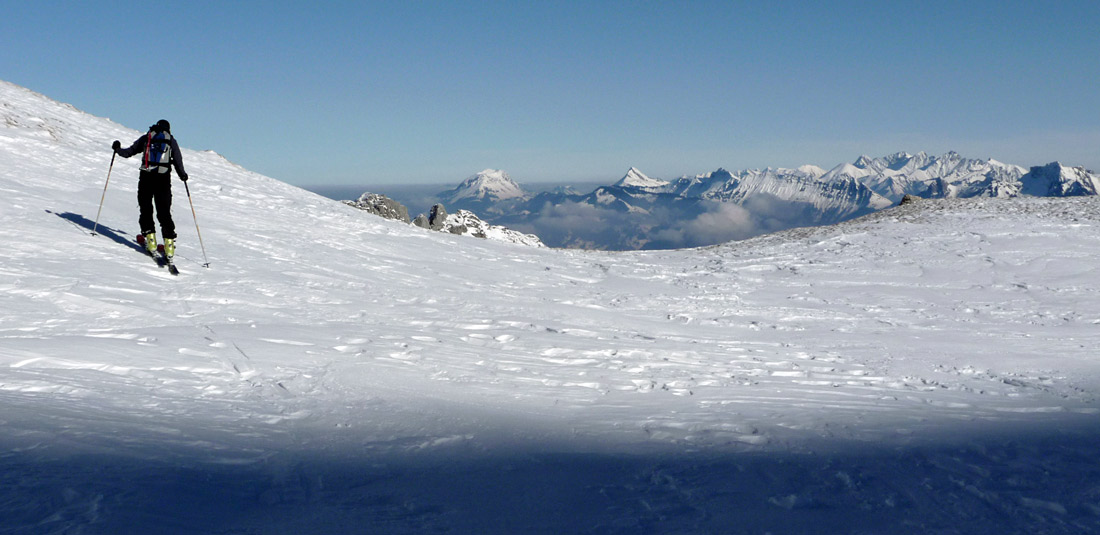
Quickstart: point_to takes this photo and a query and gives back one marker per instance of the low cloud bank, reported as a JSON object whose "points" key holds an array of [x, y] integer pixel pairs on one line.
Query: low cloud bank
{"points": [[696, 224], [662, 223]]}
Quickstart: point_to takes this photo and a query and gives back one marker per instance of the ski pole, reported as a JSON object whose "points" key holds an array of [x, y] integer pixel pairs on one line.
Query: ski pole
{"points": [[104, 196], [207, 264]]}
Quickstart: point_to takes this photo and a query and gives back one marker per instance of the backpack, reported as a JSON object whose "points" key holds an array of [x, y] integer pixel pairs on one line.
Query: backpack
{"points": [[158, 152]]}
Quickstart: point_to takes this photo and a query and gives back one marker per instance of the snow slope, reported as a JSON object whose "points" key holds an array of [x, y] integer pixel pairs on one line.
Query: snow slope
{"points": [[930, 368]]}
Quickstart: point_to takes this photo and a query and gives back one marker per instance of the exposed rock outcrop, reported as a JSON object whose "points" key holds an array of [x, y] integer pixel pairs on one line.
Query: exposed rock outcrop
{"points": [[436, 216], [466, 223], [381, 206], [463, 223]]}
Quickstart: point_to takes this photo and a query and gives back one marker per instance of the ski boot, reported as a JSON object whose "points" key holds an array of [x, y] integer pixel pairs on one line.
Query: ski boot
{"points": [[148, 240], [169, 247]]}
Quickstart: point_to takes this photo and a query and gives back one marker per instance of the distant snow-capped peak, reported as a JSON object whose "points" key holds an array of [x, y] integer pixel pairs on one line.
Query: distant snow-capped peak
{"points": [[490, 184], [1055, 179], [811, 170], [637, 179]]}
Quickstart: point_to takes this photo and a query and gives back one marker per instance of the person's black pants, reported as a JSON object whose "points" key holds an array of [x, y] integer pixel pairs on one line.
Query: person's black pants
{"points": [[155, 190]]}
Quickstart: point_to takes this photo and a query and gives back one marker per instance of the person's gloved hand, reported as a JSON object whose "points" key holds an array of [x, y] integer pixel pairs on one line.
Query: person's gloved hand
{"points": [[116, 145], [183, 177]]}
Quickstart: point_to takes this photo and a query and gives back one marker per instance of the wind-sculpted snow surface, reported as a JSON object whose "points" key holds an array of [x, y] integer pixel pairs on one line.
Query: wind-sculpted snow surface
{"points": [[930, 368]]}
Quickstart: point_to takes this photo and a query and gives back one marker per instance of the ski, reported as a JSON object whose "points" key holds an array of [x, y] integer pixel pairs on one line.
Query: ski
{"points": [[171, 265], [156, 258]]}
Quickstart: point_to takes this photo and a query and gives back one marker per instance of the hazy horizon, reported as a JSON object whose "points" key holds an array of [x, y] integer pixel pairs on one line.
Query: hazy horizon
{"points": [[416, 194]]}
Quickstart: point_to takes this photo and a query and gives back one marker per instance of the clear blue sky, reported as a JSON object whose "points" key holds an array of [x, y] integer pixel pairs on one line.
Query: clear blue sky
{"points": [[405, 92]]}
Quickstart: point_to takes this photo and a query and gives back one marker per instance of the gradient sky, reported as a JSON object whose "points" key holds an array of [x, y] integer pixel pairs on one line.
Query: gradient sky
{"points": [[364, 93]]}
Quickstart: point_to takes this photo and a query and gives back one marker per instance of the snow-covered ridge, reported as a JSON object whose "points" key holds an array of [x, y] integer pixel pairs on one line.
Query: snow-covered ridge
{"points": [[892, 177], [840, 197]]}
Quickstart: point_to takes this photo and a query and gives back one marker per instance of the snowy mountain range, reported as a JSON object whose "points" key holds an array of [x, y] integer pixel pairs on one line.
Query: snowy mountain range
{"points": [[640, 212], [928, 368], [951, 176]]}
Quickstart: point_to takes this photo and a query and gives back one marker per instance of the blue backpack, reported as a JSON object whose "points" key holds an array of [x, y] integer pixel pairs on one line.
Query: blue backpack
{"points": [[158, 152]]}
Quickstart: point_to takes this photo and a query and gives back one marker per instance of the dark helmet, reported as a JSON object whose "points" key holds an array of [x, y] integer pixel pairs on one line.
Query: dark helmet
{"points": [[161, 126]]}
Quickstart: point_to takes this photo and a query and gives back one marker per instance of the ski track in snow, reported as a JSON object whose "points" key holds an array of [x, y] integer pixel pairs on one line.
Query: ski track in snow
{"points": [[350, 366]]}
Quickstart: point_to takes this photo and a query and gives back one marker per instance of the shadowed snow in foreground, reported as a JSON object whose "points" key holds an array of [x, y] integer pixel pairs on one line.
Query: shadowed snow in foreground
{"points": [[1025, 479]]}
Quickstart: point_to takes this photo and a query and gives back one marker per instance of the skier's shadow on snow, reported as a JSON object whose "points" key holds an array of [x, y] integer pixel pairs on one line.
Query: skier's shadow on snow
{"points": [[89, 225]]}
